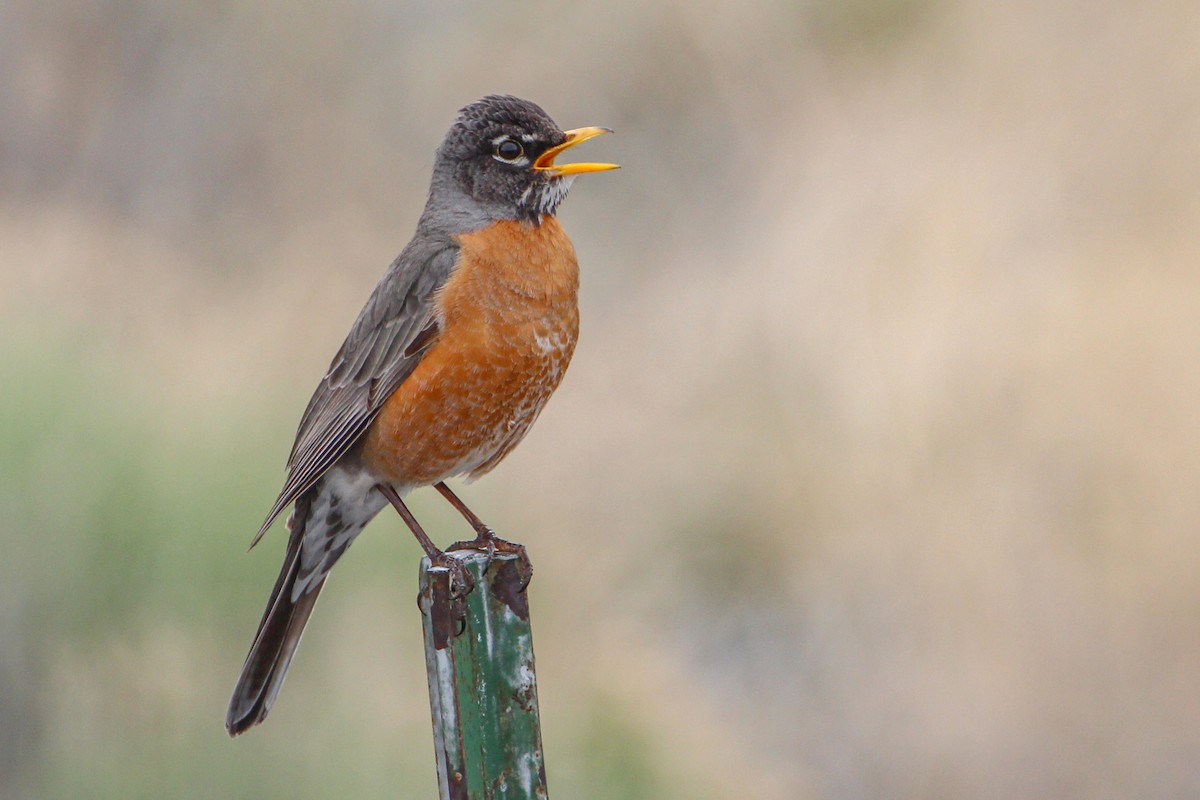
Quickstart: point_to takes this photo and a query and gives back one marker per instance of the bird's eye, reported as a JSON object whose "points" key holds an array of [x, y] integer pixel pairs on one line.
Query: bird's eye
{"points": [[509, 150]]}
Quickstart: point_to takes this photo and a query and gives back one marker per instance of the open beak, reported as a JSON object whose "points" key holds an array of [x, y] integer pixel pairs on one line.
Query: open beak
{"points": [[545, 161]]}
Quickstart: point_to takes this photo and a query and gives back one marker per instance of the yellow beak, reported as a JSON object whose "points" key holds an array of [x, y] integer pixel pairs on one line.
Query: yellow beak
{"points": [[545, 161]]}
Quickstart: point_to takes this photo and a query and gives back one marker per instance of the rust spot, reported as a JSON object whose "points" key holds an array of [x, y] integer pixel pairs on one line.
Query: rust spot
{"points": [[509, 585], [458, 787], [447, 615], [525, 698], [498, 783]]}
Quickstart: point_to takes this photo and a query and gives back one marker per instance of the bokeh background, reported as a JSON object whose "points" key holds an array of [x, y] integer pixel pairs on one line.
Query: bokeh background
{"points": [[874, 475]]}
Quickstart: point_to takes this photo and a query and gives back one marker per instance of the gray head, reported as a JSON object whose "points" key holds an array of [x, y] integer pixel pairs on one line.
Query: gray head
{"points": [[497, 162]]}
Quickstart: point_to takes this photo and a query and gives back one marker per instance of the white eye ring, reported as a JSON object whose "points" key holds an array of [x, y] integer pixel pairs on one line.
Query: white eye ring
{"points": [[508, 151]]}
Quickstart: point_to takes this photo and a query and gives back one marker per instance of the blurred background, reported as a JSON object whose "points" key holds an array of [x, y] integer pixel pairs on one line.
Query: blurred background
{"points": [[873, 476]]}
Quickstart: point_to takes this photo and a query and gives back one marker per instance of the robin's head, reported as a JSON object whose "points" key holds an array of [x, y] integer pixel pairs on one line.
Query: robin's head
{"points": [[497, 162]]}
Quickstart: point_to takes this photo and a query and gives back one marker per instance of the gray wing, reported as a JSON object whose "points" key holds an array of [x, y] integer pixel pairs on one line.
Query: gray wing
{"points": [[388, 340]]}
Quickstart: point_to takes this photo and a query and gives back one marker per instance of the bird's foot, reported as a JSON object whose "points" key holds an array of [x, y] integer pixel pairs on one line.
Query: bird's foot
{"points": [[488, 542], [461, 581]]}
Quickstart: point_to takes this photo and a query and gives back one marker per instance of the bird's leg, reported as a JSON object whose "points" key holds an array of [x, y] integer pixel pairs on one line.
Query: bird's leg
{"points": [[461, 580], [486, 539]]}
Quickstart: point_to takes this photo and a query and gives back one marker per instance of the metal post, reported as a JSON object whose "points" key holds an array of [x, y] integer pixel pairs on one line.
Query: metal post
{"points": [[482, 688]]}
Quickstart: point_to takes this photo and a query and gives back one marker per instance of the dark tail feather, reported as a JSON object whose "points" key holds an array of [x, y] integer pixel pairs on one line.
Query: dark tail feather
{"points": [[278, 634]]}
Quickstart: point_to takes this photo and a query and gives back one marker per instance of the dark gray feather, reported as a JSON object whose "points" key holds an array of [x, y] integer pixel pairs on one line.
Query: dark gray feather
{"points": [[371, 364]]}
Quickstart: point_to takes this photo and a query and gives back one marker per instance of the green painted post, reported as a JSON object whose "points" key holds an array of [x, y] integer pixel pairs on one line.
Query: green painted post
{"points": [[482, 687]]}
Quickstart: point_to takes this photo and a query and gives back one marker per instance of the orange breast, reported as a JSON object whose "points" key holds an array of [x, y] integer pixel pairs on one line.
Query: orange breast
{"points": [[509, 321]]}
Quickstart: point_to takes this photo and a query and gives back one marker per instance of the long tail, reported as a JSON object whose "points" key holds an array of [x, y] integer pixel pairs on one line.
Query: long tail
{"points": [[278, 634]]}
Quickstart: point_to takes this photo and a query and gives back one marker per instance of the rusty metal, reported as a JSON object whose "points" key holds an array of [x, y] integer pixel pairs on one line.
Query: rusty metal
{"points": [[482, 684]]}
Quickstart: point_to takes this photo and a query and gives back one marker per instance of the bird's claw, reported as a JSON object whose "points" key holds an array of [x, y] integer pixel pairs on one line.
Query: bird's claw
{"points": [[488, 542], [461, 580]]}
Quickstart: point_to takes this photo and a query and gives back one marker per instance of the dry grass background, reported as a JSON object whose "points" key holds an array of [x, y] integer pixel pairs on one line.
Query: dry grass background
{"points": [[873, 475]]}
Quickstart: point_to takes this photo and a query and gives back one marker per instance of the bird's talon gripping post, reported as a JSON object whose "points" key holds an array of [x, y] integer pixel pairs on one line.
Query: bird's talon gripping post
{"points": [[486, 539], [485, 542], [461, 582], [491, 554], [488, 542]]}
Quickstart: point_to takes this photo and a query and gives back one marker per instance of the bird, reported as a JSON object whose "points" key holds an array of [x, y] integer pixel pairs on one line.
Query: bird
{"points": [[449, 363]]}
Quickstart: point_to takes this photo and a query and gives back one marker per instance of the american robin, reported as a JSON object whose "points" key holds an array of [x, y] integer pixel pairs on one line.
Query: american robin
{"points": [[446, 368]]}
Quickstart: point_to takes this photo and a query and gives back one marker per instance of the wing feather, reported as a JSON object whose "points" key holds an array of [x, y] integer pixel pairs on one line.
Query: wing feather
{"points": [[373, 361]]}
